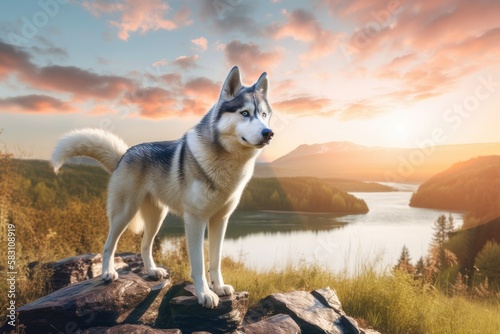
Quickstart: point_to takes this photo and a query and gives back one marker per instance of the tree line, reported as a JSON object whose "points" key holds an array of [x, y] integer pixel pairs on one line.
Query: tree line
{"points": [[472, 186], [460, 262], [282, 194]]}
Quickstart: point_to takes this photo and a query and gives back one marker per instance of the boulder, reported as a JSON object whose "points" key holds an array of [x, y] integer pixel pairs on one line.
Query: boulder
{"points": [[309, 313], [90, 303], [130, 329], [276, 324], [180, 309], [317, 312], [329, 298]]}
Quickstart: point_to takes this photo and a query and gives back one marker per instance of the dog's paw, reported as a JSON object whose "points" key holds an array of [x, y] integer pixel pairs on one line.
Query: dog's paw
{"points": [[110, 276], [208, 299], [158, 273], [223, 290]]}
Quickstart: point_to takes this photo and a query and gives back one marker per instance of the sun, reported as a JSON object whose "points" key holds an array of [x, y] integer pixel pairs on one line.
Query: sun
{"points": [[398, 128]]}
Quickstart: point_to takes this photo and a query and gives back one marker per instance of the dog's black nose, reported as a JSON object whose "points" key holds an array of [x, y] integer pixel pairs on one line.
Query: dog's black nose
{"points": [[267, 134]]}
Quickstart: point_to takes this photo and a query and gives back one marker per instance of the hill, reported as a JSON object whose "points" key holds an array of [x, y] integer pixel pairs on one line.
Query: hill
{"points": [[351, 161], [298, 194], [467, 243], [285, 194], [472, 185]]}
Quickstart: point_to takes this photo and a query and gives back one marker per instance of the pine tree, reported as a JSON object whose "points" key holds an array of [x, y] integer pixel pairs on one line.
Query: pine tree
{"points": [[404, 262], [420, 268], [443, 228], [440, 258]]}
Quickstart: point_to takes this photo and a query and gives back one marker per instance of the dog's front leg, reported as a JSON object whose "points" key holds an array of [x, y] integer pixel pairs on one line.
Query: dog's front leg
{"points": [[216, 232], [195, 234]]}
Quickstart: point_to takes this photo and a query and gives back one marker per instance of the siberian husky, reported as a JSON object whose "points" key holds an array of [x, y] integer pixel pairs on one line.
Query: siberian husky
{"points": [[199, 177]]}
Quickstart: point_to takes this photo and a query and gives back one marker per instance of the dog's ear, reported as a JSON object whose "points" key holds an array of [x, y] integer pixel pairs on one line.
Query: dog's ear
{"points": [[232, 84], [262, 84]]}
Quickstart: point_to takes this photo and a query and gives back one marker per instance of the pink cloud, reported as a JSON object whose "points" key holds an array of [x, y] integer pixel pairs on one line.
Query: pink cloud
{"points": [[200, 42], [303, 26], [186, 62], [82, 84], [251, 59], [202, 87], [430, 45], [152, 102], [139, 16], [35, 104], [13, 60]]}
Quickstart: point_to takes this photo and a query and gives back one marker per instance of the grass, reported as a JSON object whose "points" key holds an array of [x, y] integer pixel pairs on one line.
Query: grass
{"points": [[389, 302]]}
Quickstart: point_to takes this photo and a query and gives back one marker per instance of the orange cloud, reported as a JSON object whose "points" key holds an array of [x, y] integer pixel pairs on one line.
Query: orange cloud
{"points": [[250, 58], [361, 109], [305, 106], [35, 104]]}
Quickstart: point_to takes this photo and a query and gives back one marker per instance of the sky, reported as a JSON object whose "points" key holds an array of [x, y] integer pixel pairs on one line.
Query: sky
{"points": [[377, 73]]}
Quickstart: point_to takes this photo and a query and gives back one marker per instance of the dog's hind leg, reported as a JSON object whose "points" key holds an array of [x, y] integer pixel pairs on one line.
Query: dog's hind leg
{"points": [[195, 233], [122, 206], [153, 215]]}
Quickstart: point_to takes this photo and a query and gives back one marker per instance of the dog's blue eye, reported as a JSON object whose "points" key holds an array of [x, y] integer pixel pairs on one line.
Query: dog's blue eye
{"points": [[263, 115], [245, 113]]}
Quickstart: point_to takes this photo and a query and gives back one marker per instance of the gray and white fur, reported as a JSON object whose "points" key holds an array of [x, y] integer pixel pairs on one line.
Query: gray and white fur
{"points": [[199, 177]]}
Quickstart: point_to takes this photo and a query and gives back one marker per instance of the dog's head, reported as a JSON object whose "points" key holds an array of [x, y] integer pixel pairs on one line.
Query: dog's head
{"points": [[243, 113]]}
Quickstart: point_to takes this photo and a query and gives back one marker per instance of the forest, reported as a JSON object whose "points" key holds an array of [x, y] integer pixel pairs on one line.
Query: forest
{"points": [[85, 182], [472, 186]]}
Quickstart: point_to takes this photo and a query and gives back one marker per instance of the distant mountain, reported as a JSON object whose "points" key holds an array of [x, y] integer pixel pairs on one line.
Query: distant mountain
{"points": [[472, 185], [351, 161]]}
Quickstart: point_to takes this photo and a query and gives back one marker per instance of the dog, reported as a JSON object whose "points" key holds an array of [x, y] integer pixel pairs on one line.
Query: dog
{"points": [[199, 177]]}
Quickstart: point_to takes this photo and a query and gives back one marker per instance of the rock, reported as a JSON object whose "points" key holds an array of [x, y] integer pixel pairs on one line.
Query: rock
{"points": [[93, 302], [130, 329], [84, 267], [277, 324], [307, 311], [180, 309], [329, 298]]}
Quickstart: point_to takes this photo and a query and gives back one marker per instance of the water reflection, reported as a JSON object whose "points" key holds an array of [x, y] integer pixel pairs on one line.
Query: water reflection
{"points": [[242, 224], [272, 240]]}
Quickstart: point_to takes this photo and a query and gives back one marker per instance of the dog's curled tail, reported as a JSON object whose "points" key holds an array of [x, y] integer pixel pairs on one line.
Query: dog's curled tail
{"points": [[97, 144]]}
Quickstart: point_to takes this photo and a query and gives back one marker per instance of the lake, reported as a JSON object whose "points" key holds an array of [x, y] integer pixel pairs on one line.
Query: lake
{"points": [[273, 240]]}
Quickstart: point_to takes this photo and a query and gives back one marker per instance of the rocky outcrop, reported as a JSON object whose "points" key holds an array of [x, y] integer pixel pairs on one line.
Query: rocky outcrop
{"points": [[180, 309], [138, 304], [131, 299], [318, 312], [84, 267]]}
